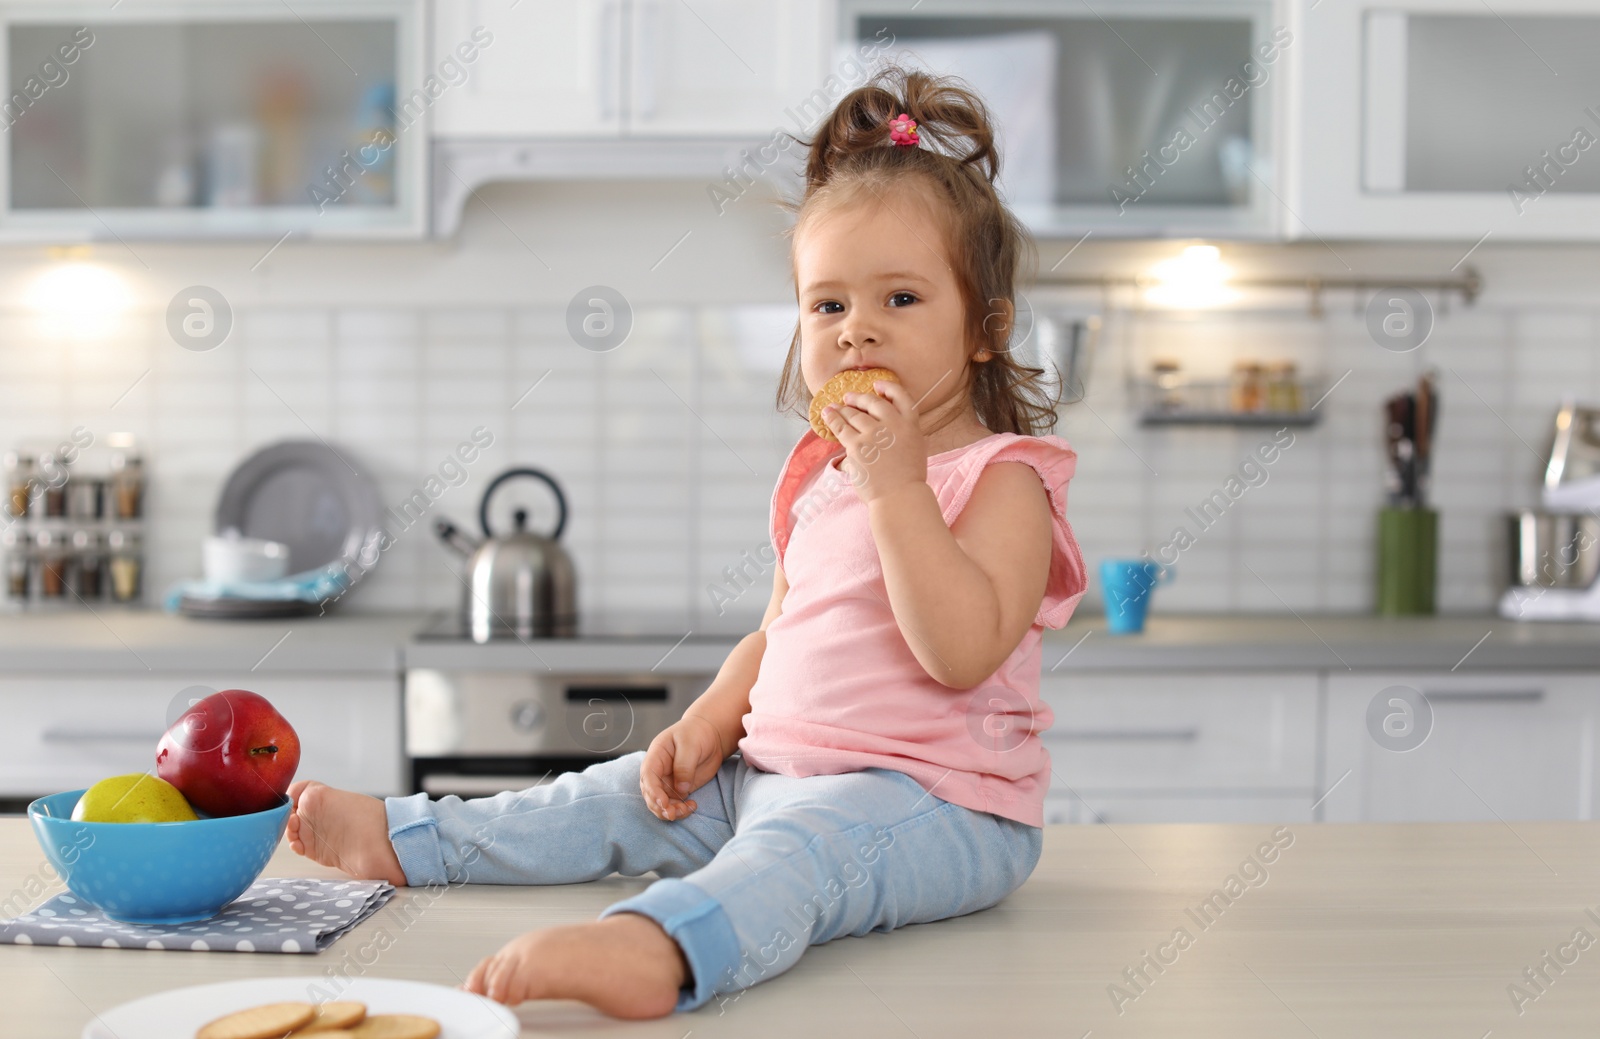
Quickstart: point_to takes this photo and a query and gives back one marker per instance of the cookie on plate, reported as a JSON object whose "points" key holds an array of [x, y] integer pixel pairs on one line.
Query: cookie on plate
{"points": [[334, 1016], [396, 1026], [853, 380], [269, 1021]]}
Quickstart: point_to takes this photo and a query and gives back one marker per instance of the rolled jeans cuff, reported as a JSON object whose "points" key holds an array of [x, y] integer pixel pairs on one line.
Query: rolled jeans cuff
{"points": [[695, 921], [414, 832]]}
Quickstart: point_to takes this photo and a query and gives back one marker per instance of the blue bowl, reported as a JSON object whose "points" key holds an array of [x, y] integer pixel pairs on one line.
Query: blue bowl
{"points": [[156, 873]]}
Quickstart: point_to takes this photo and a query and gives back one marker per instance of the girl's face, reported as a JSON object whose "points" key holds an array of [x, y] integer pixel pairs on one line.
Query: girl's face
{"points": [[876, 291]]}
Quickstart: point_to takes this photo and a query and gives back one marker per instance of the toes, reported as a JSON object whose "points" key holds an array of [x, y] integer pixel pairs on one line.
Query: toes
{"points": [[297, 788]]}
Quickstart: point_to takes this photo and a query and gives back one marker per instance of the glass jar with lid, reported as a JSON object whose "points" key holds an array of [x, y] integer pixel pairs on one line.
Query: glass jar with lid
{"points": [[125, 557], [49, 571], [127, 484], [1167, 376], [15, 544], [1283, 388], [19, 476], [87, 571], [1245, 388]]}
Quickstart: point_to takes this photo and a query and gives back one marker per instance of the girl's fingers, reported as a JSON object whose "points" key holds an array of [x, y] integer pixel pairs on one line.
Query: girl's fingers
{"points": [[871, 403], [474, 982]]}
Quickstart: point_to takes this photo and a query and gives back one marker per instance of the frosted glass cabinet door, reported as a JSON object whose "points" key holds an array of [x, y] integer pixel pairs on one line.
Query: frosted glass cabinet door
{"points": [[1446, 120], [240, 119], [1147, 118]]}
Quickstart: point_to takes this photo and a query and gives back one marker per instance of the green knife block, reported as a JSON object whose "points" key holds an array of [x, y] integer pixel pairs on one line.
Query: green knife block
{"points": [[1408, 559]]}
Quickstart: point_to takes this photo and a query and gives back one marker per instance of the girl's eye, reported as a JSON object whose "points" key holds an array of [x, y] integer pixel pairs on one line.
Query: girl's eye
{"points": [[821, 307], [908, 297]]}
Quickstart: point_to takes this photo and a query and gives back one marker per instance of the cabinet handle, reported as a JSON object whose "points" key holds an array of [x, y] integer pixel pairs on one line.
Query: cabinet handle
{"points": [[99, 736], [610, 40], [1120, 735], [1487, 696]]}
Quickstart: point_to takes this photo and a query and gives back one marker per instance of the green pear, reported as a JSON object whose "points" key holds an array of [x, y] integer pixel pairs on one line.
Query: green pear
{"points": [[135, 798]]}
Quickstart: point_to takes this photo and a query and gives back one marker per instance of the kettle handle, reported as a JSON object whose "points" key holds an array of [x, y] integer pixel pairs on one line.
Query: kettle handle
{"points": [[561, 500]]}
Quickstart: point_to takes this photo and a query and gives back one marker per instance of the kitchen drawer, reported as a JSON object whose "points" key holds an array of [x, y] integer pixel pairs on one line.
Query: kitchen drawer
{"points": [[1178, 810], [1494, 746], [1166, 733], [65, 733]]}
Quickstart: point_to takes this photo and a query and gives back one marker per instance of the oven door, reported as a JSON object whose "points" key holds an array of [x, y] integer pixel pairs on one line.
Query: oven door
{"points": [[475, 733]]}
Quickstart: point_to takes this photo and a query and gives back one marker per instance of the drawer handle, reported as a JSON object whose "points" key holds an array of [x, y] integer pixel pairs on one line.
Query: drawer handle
{"points": [[99, 736], [1127, 735], [1487, 696]]}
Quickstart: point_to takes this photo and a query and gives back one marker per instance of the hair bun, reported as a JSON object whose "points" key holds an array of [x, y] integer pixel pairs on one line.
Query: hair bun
{"points": [[951, 119]]}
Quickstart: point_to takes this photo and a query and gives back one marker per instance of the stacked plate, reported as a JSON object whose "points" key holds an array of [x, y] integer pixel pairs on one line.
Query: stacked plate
{"points": [[309, 496]]}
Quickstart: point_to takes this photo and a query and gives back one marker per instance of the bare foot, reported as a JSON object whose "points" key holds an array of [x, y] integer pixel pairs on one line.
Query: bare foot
{"points": [[345, 830], [624, 965]]}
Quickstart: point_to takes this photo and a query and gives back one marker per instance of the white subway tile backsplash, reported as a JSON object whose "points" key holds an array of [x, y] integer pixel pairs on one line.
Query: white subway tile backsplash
{"points": [[668, 447]]}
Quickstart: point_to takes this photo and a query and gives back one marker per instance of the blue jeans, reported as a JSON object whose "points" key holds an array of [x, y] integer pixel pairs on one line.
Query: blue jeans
{"points": [[766, 865]]}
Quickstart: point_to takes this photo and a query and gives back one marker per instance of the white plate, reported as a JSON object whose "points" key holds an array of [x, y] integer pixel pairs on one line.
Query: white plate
{"points": [[179, 1013]]}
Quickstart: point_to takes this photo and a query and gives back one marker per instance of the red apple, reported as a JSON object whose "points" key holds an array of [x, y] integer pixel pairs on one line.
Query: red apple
{"points": [[230, 754]]}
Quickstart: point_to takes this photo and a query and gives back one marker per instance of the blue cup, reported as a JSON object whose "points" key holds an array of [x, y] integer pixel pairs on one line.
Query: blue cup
{"points": [[1126, 584]]}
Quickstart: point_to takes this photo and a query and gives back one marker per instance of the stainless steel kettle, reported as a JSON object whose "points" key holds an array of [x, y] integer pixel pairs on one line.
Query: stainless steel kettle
{"points": [[520, 584]]}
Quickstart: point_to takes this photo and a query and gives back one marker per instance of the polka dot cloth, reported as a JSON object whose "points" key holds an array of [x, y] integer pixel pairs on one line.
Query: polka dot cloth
{"points": [[294, 915]]}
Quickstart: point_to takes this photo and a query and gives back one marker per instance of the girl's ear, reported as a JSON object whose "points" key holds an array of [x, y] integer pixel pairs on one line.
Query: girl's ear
{"points": [[999, 319]]}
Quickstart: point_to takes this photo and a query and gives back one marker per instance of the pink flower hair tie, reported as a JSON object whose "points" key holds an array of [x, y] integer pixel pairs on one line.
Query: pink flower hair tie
{"points": [[903, 131]]}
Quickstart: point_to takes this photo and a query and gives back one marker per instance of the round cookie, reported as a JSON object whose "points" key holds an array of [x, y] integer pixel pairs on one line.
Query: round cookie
{"points": [[268, 1021], [833, 391], [335, 1016], [396, 1026]]}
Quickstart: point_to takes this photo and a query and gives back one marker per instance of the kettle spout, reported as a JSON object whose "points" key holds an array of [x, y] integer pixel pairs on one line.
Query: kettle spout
{"points": [[454, 538]]}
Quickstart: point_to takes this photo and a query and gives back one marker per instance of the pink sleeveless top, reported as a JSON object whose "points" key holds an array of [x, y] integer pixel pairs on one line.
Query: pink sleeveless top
{"points": [[839, 689]]}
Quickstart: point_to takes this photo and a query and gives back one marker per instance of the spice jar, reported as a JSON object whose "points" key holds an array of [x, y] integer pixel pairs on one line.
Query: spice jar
{"points": [[53, 474], [127, 485], [1246, 387], [83, 497], [15, 545], [1283, 388], [126, 559], [49, 571], [87, 571], [1168, 380], [19, 479]]}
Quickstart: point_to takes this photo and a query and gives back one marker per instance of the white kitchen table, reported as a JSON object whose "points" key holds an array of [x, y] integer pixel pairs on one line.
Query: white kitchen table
{"points": [[1356, 931]]}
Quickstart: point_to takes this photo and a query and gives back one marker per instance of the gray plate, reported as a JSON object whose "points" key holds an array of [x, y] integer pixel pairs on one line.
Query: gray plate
{"points": [[309, 495]]}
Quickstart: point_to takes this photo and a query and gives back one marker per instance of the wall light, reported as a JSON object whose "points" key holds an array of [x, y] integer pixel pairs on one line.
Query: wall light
{"points": [[80, 300], [1196, 279]]}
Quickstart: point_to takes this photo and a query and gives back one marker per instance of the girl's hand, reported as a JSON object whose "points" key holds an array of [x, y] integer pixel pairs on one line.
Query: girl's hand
{"points": [[682, 758], [883, 444]]}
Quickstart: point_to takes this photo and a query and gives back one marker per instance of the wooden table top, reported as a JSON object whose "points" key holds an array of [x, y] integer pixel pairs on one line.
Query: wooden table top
{"points": [[1407, 930]]}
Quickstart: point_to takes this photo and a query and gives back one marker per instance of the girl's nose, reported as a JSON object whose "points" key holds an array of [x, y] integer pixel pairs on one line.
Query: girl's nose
{"points": [[857, 332]]}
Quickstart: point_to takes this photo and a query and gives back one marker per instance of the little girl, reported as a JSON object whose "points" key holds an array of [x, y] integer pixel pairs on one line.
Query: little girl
{"points": [[869, 758]]}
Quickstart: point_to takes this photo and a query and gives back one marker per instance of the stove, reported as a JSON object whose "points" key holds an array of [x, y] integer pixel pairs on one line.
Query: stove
{"points": [[488, 716]]}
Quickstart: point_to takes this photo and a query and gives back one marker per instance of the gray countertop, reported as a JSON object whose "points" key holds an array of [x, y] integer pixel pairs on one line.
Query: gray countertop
{"points": [[139, 640]]}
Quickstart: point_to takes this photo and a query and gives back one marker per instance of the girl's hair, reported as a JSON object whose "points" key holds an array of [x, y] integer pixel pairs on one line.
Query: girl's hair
{"points": [[852, 156]]}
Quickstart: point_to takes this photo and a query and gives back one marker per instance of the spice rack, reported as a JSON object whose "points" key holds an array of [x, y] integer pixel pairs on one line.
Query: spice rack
{"points": [[71, 533], [1257, 394]]}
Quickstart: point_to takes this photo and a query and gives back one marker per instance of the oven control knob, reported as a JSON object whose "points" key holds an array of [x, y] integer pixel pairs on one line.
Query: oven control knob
{"points": [[527, 715]]}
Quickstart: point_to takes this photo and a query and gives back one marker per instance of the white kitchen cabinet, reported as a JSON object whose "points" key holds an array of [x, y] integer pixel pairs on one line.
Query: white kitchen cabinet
{"points": [[1182, 747], [721, 66], [68, 732], [547, 70], [608, 68], [1446, 120], [1141, 118], [1495, 746], [196, 119]]}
